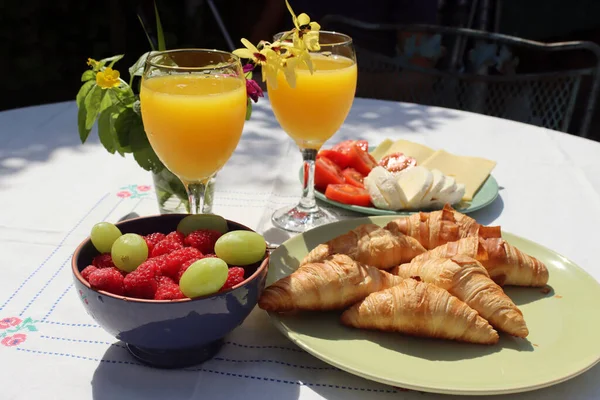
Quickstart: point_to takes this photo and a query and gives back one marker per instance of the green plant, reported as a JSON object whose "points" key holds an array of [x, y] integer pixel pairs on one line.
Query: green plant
{"points": [[111, 103]]}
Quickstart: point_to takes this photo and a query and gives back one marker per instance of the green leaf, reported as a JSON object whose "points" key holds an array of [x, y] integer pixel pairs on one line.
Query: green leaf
{"points": [[146, 32], [27, 321], [81, 117], [159, 31], [83, 92], [124, 125], [108, 100], [31, 328], [105, 131], [248, 108], [88, 75], [112, 60], [142, 151], [92, 104], [137, 69]]}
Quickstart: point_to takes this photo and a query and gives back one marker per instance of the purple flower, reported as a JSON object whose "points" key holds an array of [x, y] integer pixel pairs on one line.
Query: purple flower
{"points": [[248, 68], [253, 90]]}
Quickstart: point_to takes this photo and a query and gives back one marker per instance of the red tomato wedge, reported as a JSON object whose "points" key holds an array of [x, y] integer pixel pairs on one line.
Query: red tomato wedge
{"points": [[341, 159], [396, 162], [353, 177], [345, 146], [348, 194], [327, 173], [361, 160]]}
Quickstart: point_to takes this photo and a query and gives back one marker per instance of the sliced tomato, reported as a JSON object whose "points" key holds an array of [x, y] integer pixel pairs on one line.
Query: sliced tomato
{"points": [[353, 177], [345, 146], [396, 162], [361, 160], [326, 173], [348, 194], [341, 159]]}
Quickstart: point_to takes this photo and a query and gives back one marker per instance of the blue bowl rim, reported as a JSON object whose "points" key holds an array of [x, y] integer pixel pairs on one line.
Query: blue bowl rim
{"points": [[75, 269]]}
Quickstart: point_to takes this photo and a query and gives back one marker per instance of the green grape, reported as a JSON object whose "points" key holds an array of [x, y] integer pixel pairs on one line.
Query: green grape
{"points": [[240, 247], [104, 235], [129, 251], [195, 222], [204, 277]]}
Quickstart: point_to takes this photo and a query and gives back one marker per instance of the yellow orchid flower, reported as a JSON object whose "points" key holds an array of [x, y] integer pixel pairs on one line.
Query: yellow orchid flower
{"points": [[307, 32], [271, 66], [250, 51], [108, 78]]}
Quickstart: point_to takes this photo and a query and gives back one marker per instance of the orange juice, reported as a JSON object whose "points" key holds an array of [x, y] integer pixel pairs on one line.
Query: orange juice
{"points": [[193, 122], [316, 108]]}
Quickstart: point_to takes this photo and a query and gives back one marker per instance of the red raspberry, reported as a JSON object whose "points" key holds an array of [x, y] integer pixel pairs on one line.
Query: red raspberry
{"points": [[174, 260], [165, 246], [203, 239], [152, 239], [103, 261], [142, 282], [85, 273], [176, 236], [234, 276], [107, 279], [167, 289]]}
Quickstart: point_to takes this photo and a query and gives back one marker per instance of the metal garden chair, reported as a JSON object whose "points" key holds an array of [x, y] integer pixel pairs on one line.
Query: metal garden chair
{"points": [[477, 71]]}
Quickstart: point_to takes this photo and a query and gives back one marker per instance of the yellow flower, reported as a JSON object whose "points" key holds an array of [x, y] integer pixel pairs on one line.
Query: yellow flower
{"points": [[92, 63], [108, 78], [271, 66], [307, 32], [250, 51]]}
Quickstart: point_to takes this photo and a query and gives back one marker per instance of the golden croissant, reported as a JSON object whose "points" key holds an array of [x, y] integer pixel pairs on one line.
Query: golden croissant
{"points": [[420, 309], [436, 228], [333, 284], [369, 244], [465, 278], [506, 264]]}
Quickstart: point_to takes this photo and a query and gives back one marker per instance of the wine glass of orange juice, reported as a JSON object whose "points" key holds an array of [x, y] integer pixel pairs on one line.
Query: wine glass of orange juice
{"points": [[311, 112], [193, 104]]}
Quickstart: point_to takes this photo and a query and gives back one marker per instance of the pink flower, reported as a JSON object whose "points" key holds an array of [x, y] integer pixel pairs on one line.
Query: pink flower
{"points": [[124, 194], [248, 67], [144, 188], [8, 322], [253, 90], [14, 340]]}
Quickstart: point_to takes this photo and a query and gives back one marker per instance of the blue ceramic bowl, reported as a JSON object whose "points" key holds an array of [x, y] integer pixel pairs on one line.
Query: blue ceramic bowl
{"points": [[169, 333]]}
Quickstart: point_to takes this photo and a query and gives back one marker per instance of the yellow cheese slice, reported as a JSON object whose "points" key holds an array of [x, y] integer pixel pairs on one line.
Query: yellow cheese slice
{"points": [[417, 151], [380, 150], [470, 171]]}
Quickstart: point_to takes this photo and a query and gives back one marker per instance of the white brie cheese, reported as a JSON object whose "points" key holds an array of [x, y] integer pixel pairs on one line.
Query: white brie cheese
{"points": [[415, 182]]}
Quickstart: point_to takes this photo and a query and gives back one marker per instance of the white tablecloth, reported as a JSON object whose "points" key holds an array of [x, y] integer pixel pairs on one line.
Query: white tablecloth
{"points": [[53, 189]]}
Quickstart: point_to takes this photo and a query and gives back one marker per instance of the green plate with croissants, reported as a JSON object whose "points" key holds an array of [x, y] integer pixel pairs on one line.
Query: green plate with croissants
{"points": [[560, 314]]}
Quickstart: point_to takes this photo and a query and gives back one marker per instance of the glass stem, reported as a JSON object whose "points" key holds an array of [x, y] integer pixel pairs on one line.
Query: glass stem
{"points": [[307, 201], [196, 193]]}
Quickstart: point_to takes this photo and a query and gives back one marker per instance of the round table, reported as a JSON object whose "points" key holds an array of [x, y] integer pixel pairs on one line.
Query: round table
{"points": [[53, 189]]}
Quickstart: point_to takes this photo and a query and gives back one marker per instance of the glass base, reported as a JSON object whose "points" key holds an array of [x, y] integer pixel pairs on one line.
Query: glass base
{"points": [[298, 219]]}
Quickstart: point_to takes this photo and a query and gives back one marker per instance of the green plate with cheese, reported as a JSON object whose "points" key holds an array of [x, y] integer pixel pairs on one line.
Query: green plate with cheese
{"points": [[485, 196], [563, 323]]}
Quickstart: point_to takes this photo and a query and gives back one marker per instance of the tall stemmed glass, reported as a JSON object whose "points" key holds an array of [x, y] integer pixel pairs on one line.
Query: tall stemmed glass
{"points": [[311, 113], [193, 105]]}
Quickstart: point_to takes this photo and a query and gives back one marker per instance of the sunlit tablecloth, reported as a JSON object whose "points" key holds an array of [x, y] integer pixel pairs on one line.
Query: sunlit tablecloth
{"points": [[53, 189]]}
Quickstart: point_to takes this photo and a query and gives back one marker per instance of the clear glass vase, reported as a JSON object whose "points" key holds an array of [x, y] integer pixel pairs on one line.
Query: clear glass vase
{"points": [[172, 197]]}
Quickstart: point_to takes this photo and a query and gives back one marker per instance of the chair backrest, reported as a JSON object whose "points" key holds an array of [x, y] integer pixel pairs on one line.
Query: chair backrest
{"points": [[476, 71]]}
